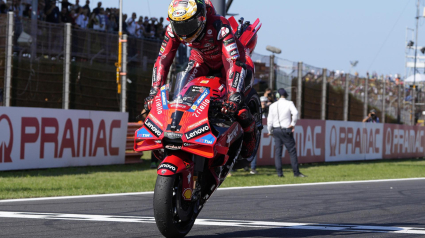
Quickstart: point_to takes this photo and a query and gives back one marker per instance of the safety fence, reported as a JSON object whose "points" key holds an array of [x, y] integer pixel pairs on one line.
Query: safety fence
{"points": [[38, 70], [342, 96], [38, 57]]}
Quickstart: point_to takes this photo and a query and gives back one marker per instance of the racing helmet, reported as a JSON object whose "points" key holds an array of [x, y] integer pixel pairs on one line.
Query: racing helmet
{"points": [[187, 18]]}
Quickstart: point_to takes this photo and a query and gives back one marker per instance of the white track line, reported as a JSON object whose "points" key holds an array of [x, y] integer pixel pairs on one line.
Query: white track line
{"points": [[231, 188], [215, 222]]}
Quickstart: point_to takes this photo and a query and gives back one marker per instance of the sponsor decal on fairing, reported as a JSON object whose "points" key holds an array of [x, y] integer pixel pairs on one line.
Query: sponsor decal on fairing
{"points": [[199, 100], [153, 128], [173, 135], [143, 133], [205, 128], [208, 139], [201, 108], [188, 144], [164, 97], [158, 105], [173, 147], [155, 120], [197, 124], [168, 166]]}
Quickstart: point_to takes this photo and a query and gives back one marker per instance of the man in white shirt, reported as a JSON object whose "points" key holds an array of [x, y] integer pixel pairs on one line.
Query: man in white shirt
{"points": [[131, 24], [282, 126]]}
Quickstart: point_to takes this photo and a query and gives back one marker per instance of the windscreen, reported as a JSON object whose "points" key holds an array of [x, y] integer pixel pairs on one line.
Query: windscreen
{"points": [[184, 95]]}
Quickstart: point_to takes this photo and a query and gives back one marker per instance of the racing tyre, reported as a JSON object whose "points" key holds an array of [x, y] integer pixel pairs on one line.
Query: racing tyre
{"points": [[254, 105], [174, 217]]}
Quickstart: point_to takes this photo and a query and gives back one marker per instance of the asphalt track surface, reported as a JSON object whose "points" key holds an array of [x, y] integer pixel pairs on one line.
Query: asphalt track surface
{"points": [[390, 208]]}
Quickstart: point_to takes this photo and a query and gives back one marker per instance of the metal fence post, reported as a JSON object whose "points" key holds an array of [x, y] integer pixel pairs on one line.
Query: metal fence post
{"points": [[271, 74], [399, 103], [300, 88], [66, 65], [124, 75], [383, 99], [8, 70], [413, 114], [366, 96], [324, 93], [346, 98], [34, 29]]}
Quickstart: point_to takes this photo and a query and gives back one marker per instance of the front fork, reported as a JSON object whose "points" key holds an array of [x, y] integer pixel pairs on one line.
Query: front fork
{"points": [[179, 162], [195, 171]]}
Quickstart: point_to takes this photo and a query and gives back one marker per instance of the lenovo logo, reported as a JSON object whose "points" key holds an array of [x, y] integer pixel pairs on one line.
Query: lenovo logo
{"points": [[197, 132]]}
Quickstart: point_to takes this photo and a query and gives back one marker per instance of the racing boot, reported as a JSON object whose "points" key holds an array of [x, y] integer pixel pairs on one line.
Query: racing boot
{"points": [[247, 122]]}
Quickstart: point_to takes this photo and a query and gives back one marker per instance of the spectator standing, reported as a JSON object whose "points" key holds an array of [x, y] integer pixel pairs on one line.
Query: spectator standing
{"points": [[148, 28], [52, 12], [87, 6], [97, 9], [112, 23], [103, 19], [124, 24], [372, 117], [94, 22], [76, 6], [159, 28], [282, 127], [65, 17], [66, 5], [131, 24], [72, 16], [140, 28], [254, 165], [265, 102], [82, 19], [41, 15], [27, 11]]}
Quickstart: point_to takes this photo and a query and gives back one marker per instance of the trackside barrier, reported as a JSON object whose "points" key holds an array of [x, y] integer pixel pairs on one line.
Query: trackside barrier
{"points": [[131, 156], [35, 138], [334, 141]]}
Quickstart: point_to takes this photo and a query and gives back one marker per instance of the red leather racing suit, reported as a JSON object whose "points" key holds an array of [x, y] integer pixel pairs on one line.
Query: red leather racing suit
{"points": [[215, 50]]}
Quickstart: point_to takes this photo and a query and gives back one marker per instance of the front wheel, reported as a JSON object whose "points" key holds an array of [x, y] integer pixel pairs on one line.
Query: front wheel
{"points": [[174, 217]]}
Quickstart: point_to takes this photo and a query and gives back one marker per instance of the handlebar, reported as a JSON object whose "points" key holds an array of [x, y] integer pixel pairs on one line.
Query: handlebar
{"points": [[216, 106]]}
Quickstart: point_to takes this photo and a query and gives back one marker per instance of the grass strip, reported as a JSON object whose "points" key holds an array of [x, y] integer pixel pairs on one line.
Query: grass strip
{"points": [[139, 177]]}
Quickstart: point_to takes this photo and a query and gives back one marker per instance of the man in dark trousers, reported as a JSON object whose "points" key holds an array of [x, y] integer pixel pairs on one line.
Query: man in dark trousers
{"points": [[281, 125]]}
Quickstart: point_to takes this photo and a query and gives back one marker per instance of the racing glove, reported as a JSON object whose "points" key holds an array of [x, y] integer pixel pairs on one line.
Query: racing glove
{"points": [[232, 104], [150, 98]]}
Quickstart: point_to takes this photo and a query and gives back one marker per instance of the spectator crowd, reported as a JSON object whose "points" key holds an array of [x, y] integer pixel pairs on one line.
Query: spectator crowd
{"points": [[83, 17]]}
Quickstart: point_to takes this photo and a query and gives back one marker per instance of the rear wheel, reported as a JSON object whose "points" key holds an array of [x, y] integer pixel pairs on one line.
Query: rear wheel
{"points": [[253, 102], [174, 217], [254, 105]]}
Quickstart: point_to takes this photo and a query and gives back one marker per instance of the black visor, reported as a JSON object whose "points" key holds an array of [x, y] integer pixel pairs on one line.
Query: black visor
{"points": [[186, 28]]}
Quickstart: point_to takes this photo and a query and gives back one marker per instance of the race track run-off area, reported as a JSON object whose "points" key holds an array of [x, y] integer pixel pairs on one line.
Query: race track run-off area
{"points": [[384, 208]]}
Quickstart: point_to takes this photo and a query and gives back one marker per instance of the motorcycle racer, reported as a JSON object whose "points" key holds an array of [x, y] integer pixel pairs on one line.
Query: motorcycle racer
{"points": [[215, 49]]}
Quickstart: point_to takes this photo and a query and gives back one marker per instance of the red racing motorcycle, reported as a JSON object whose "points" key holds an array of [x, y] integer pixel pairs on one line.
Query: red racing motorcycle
{"points": [[196, 143]]}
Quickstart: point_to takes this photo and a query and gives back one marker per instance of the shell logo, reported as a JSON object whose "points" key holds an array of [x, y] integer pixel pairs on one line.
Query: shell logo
{"points": [[187, 194]]}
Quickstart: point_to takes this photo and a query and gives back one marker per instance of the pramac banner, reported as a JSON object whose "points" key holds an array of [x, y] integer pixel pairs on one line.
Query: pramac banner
{"points": [[332, 141], [33, 138]]}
